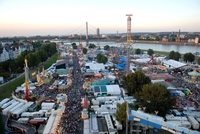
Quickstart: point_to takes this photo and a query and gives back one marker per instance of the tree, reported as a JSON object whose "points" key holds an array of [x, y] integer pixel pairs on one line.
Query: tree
{"points": [[106, 47], [74, 45], [36, 44], [177, 56], [157, 38], [171, 55], [19, 61], [155, 98], [43, 55], [50, 49], [101, 58], [85, 50], [121, 112], [91, 45], [188, 57], [198, 60], [150, 52], [137, 51], [134, 82], [174, 55], [104, 59]]}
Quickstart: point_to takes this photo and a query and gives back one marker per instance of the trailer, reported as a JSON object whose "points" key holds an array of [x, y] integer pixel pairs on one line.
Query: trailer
{"points": [[7, 104], [6, 110], [198, 119], [108, 98], [47, 106], [176, 112], [171, 117], [193, 121], [19, 111], [186, 124], [47, 114], [42, 118], [37, 121], [23, 120], [27, 114], [4, 101], [16, 107]]}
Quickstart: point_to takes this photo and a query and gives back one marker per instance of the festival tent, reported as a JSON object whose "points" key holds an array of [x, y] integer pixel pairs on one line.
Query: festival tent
{"points": [[194, 74], [121, 63], [95, 66], [121, 66], [142, 60], [85, 103], [101, 82], [173, 63]]}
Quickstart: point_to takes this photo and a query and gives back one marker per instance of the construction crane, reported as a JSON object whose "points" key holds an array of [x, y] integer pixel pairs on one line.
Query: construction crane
{"points": [[129, 41]]}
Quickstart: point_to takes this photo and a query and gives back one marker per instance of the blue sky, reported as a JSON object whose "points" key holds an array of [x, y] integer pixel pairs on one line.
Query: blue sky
{"points": [[63, 17]]}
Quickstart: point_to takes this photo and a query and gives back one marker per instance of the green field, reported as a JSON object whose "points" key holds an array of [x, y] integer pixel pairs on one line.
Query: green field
{"points": [[7, 89]]}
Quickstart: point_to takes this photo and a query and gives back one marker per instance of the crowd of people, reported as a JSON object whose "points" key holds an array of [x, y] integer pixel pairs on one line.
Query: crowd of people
{"points": [[72, 116], [186, 81]]}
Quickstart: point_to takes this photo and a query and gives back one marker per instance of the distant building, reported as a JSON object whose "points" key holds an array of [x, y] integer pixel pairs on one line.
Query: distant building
{"points": [[7, 51], [165, 39], [191, 40], [4, 55], [98, 32], [178, 39], [104, 36], [152, 37], [196, 40]]}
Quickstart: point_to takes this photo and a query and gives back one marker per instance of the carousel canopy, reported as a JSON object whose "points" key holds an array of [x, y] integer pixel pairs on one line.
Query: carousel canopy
{"points": [[194, 73]]}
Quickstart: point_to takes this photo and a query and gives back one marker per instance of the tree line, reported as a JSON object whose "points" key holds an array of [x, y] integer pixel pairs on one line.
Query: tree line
{"points": [[38, 55], [187, 57]]}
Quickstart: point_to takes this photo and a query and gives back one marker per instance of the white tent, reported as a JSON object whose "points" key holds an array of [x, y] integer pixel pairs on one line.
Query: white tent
{"points": [[173, 64], [113, 89], [142, 60], [95, 66]]}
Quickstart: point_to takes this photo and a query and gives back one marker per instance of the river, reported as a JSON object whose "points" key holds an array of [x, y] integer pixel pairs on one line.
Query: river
{"points": [[156, 47]]}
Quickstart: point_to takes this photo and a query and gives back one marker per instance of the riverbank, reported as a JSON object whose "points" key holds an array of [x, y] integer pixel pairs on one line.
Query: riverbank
{"points": [[169, 43], [183, 43]]}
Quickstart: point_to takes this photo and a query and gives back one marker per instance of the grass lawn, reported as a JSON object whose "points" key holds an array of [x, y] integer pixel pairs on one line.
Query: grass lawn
{"points": [[7, 89]]}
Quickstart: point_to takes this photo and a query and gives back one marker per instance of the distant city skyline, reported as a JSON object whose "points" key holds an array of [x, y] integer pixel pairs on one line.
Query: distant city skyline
{"points": [[61, 17]]}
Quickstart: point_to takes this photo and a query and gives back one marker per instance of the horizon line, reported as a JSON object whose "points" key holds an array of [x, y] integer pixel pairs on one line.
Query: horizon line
{"points": [[94, 34]]}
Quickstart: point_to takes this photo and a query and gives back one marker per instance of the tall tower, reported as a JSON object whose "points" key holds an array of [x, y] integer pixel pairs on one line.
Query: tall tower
{"points": [[86, 34], [98, 32], [178, 38], [129, 41], [26, 79]]}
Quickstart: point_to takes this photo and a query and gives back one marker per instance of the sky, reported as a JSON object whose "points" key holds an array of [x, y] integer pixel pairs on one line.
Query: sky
{"points": [[65, 17]]}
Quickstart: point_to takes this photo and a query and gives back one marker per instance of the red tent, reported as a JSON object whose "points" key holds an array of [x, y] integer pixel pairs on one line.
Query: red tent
{"points": [[85, 103]]}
